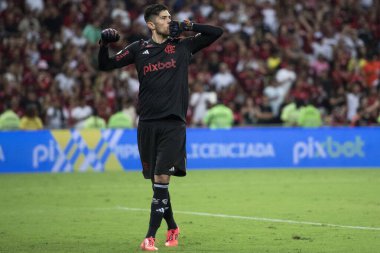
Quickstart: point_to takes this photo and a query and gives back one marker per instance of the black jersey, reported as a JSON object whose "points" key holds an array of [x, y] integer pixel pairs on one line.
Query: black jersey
{"points": [[162, 71]]}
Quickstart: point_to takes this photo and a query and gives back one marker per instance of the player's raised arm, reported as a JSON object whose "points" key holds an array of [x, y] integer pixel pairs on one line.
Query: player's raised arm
{"points": [[206, 34], [122, 58]]}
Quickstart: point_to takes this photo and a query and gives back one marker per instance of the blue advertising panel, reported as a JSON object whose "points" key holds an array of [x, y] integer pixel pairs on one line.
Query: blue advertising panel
{"points": [[73, 150], [20, 151], [284, 148]]}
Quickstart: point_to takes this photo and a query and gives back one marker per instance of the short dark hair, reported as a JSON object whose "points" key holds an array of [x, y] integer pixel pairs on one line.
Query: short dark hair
{"points": [[153, 10]]}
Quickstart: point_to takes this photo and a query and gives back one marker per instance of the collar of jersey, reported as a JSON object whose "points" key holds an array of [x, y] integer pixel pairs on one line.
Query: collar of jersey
{"points": [[158, 44]]}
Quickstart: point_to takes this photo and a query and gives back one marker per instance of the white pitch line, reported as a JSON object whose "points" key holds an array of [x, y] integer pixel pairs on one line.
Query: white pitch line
{"points": [[256, 219]]}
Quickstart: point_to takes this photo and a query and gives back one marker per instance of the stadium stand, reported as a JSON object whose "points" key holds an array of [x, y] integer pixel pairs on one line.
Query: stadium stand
{"points": [[273, 53]]}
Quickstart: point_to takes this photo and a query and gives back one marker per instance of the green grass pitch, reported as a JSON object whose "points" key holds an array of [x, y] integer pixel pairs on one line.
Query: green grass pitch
{"points": [[218, 211]]}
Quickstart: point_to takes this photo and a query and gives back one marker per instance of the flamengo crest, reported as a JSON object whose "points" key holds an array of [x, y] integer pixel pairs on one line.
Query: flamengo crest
{"points": [[170, 49]]}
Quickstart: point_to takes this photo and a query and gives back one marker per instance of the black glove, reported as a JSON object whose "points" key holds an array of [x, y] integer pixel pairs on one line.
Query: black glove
{"points": [[177, 27], [109, 35]]}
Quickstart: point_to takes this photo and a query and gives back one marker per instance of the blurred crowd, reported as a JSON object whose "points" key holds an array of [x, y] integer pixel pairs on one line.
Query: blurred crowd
{"points": [[294, 62]]}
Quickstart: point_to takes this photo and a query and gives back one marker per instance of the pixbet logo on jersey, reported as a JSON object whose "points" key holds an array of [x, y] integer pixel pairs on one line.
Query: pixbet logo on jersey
{"points": [[327, 149], [159, 66]]}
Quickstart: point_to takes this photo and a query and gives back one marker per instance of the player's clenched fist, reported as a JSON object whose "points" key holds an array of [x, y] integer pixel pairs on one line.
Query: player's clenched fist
{"points": [[177, 27], [109, 35]]}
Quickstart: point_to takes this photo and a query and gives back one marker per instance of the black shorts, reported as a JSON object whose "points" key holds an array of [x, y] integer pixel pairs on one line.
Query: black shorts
{"points": [[162, 147]]}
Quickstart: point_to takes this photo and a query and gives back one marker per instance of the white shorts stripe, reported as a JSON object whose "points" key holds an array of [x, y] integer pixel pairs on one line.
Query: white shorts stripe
{"points": [[164, 186]]}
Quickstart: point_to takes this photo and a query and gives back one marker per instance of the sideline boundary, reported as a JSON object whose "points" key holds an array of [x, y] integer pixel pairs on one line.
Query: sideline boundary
{"points": [[255, 219]]}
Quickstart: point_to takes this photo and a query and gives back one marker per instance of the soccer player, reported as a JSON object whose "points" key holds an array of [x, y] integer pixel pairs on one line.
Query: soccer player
{"points": [[162, 66]]}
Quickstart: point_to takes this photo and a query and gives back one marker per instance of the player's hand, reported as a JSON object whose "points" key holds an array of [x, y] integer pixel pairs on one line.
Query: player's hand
{"points": [[177, 27], [109, 35]]}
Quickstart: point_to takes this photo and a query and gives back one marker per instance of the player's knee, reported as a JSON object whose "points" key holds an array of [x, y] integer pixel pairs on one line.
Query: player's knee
{"points": [[161, 179]]}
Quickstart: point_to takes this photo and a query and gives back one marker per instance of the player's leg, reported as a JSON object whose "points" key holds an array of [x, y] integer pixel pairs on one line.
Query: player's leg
{"points": [[170, 154], [168, 215], [157, 210], [146, 141], [159, 202], [173, 230], [171, 159], [146, 135], [161, 208]]}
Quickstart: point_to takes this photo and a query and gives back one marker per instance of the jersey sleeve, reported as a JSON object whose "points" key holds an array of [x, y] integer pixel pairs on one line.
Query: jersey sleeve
{"points": [[121, 59], [206, 34]]}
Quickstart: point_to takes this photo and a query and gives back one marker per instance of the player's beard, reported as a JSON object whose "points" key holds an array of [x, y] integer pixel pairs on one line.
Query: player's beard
{"points": [[163, 32]]}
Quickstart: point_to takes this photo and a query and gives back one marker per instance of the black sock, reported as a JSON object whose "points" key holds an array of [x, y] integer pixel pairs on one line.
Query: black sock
{"points": [[157, 209], [168, 215]]}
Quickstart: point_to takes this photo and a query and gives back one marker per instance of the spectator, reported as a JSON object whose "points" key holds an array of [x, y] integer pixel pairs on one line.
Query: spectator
{"points": [[56, 116], [185, 13], [338, 109], [200, 100], [205, 8], [219, 117], [30, 27], [371, 70], [77, 39], [9, 120], [263, 112], [309, 116], [286, 76], [66, 80], [248, 112], [119, 13], [275, 95], [364, 115], [233, 25], [35, 5], [213, 64], [80, 113], [130, 78], [319, 66], [223, 78], [269, 16], [122, 119], [52, 19], [353, 99], [31, 120], [94, 121], [322, 48], [279, 88], [290, 113], [92, 31], [32, 99], [261, 37], [130, 110]]}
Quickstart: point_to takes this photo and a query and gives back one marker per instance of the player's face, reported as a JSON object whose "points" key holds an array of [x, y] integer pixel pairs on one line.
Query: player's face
{"points": [[161, 23]]}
